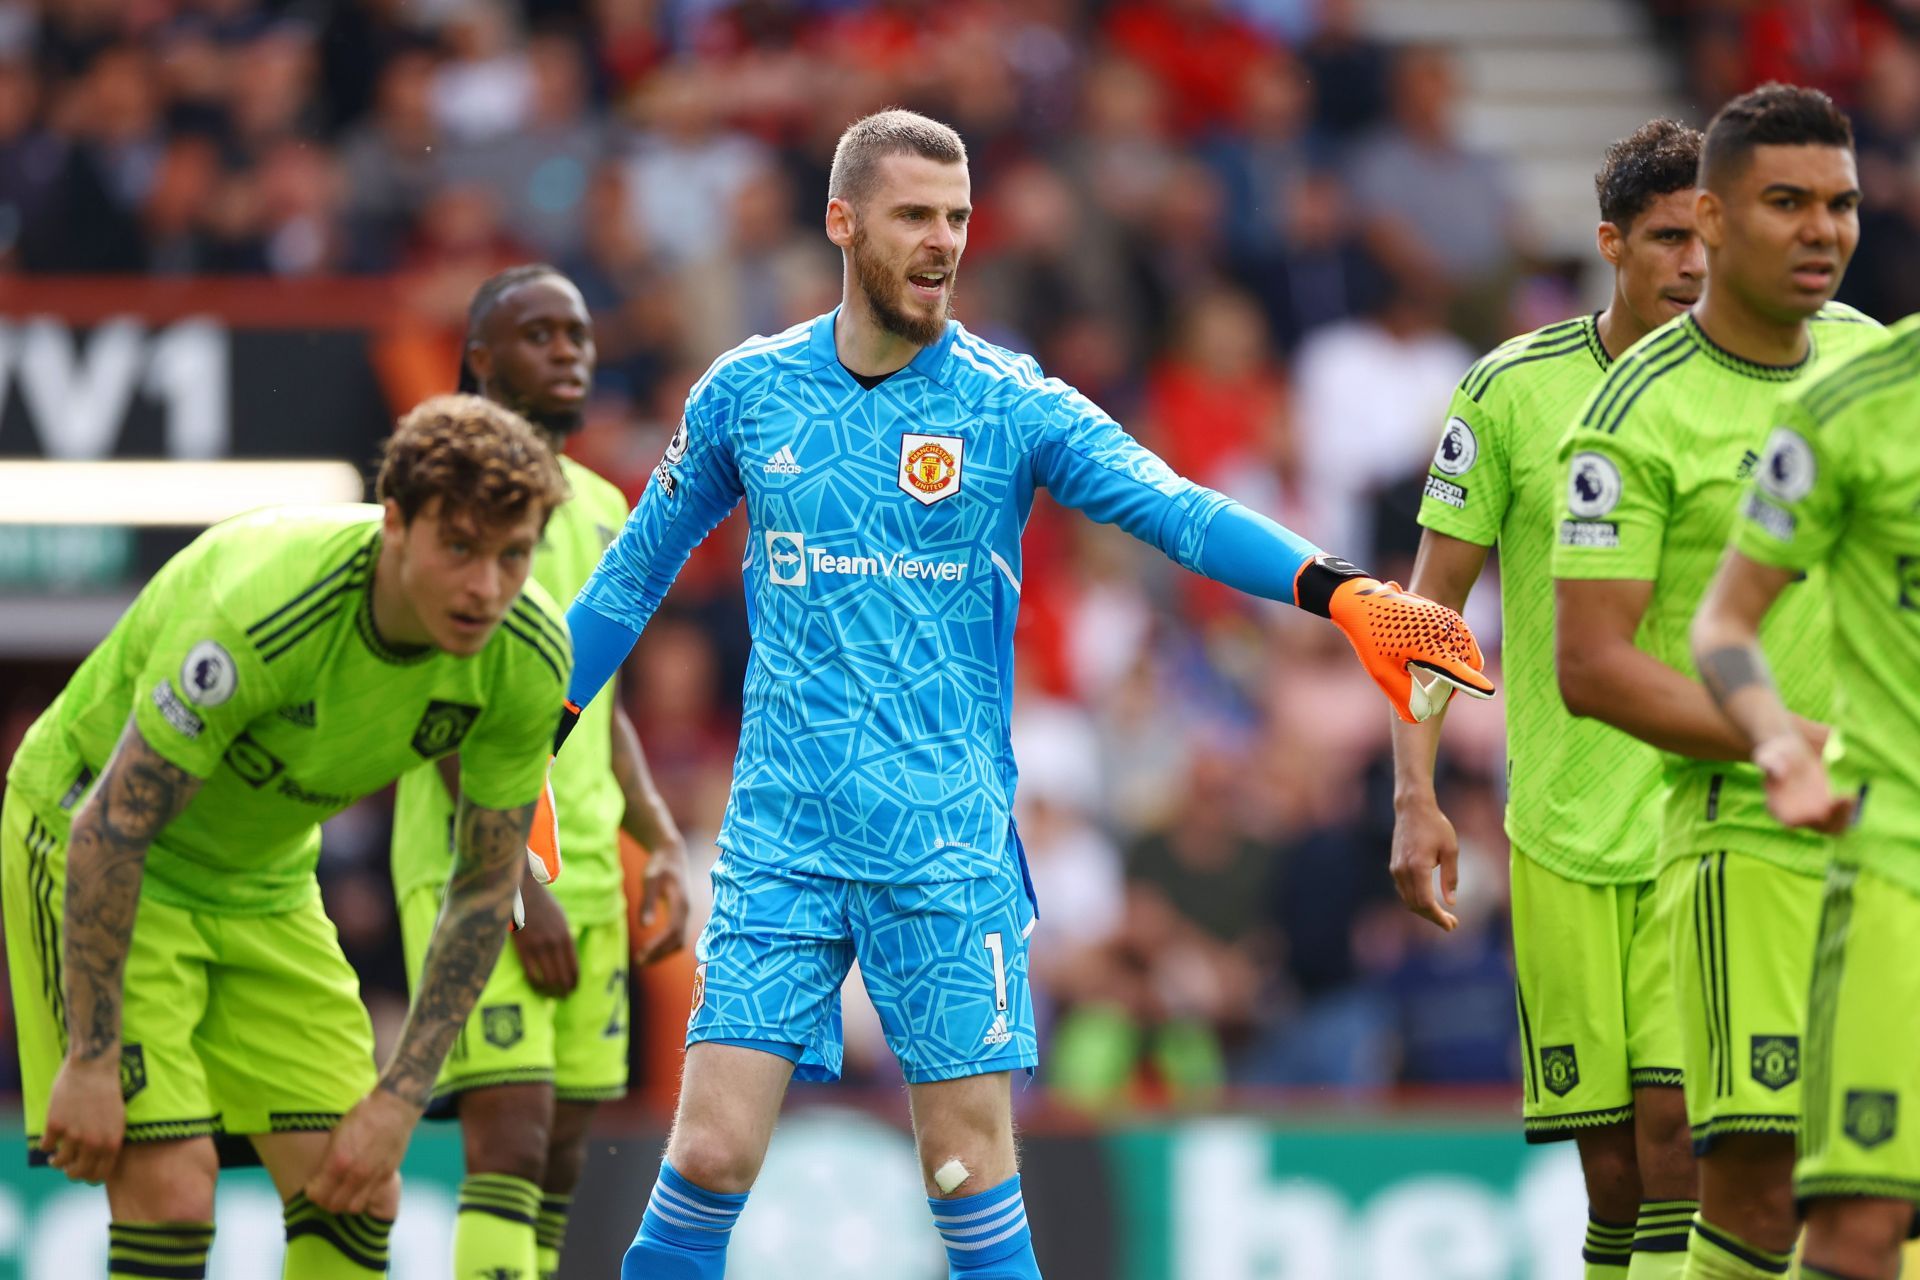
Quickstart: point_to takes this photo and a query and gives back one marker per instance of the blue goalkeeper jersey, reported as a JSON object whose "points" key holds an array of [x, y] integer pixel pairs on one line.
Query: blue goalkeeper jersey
{"points": [[882, 581]]}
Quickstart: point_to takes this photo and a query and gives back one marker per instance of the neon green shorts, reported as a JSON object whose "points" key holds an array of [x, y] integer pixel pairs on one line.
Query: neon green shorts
{"points": [[1862, 1135], [1597, 1018], [518, 1036], [1743, 934], [229, 1024]]}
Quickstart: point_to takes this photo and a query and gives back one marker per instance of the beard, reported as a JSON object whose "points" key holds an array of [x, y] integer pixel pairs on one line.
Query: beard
{"points": [[558, 423], [882, 288]]}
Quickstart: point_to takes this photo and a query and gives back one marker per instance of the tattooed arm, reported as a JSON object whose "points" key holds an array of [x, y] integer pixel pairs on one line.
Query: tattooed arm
{"points": [[138, 793], [1726, 648], [364, 1153]]}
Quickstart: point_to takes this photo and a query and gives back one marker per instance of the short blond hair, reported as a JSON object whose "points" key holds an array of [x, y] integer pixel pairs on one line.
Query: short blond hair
{"points": [[871, 139], [478, 458]]}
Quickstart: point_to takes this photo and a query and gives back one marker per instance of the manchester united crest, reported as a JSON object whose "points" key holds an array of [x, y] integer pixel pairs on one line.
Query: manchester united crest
{"points": [[502, 1025], [930, 467], [1559, 1068]]}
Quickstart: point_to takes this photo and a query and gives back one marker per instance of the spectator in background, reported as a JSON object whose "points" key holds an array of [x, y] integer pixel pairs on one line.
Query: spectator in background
{"points": [[394, 161], [30, 158], [484, 88], [1321, 273], [1196, 927], [538, 173], [1436, 212], [1199, 51], [1348, 69], [1367, 393], [1822, 44], [685, 170], [107, 121], [1885, 280], [1262, 162], [1218, 403]]}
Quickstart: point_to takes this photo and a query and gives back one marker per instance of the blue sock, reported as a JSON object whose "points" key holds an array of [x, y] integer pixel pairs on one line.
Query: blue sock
{"points": [[683, 1235], [987, 1237]]}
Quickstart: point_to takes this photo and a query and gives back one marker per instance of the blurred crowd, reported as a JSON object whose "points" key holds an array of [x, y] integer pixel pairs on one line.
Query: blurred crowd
{"points": [[1249, 229]]}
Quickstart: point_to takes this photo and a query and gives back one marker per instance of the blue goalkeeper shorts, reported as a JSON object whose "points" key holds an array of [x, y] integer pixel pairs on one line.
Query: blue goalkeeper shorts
{"points": [[945, 965]]}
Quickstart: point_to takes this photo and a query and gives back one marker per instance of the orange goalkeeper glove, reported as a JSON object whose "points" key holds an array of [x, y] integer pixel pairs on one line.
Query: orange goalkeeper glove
{"points": [[543, 840], [1417, 651]]}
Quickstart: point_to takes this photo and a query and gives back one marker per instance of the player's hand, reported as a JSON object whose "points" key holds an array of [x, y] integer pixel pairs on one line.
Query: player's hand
{"points": [[1799, 793], [1424, 842], [543, 838], [86, 1119], [545, 943], [663, 906], [1416, 650], [360, 1169]]}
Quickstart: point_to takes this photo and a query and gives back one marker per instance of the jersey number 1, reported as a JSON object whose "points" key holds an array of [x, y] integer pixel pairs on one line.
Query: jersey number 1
{"points": [[992, 941]]}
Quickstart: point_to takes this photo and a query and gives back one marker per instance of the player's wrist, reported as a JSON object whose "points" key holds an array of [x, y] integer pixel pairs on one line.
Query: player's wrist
{"points": [[1319, 578], [1414, 797], [395, 1093]]}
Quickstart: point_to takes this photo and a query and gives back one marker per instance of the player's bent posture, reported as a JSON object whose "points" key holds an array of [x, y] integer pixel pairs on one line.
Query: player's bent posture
{"points": [[1838, 490], [888, 459], [1597, 1021], [548, 1039], [174, 977], [1654, 466]]}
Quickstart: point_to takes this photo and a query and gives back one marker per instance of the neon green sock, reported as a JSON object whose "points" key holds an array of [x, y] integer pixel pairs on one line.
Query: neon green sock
{"points": [[159, 1249], [550, 1232], [331, 1246], [1717, 1254], [1660, 1239], [1607, 1248], [493, 1235]]}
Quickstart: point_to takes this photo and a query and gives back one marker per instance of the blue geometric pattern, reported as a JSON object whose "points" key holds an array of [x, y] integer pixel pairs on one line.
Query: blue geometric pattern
{"points": [[882, 581], [945, 965]]}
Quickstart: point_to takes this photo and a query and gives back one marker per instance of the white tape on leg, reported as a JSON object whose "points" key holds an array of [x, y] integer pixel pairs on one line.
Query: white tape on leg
{"points": [[950, 1175]]}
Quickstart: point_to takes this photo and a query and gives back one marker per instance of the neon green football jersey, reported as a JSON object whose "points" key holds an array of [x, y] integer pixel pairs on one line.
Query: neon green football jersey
{"points": [[1654, 470], [251, 661], [587, 797], [1839, 486], [1578, 790]]}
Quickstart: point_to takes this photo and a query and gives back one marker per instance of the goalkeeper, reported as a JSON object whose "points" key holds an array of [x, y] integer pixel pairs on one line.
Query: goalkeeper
{"points": [[888, 460]]}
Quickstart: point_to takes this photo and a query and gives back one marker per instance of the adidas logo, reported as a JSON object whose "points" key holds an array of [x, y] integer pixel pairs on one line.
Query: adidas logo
{"points": [[783, 463], [998, 1033], [300, 714]]}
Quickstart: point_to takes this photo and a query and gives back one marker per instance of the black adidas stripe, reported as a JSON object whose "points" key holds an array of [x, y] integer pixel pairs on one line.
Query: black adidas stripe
{"points": [[1629, 375], [1610, 423], [293, 630], [1578, 346], [553, 664], [359, 560], [1513, 349], [541, 620]]}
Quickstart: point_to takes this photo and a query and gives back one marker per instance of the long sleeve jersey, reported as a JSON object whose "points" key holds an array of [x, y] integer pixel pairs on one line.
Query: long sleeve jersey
{"points": [[883, 578]]}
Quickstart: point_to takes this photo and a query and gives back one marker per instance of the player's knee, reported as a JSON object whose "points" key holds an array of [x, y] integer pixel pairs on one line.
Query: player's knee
{"points": [[1612, 1174], [1864, 1234], [165, 1182], [507, 1131], [713, 1159]]}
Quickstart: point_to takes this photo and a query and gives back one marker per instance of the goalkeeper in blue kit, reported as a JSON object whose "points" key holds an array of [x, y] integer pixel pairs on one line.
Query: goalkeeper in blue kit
{"points": [[889, 459]]}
